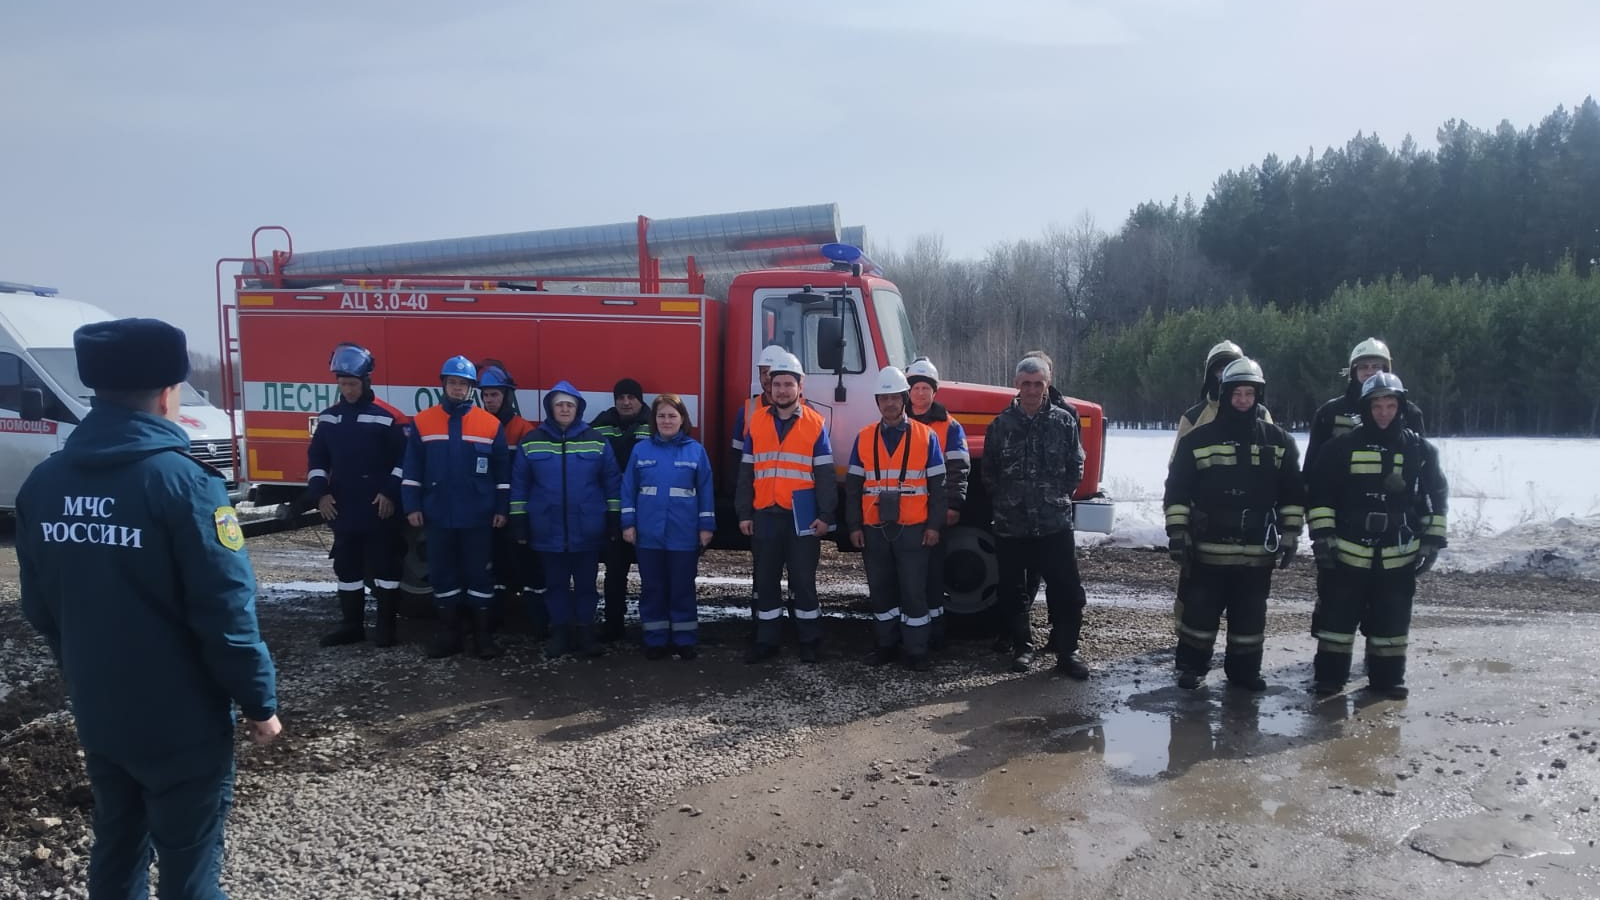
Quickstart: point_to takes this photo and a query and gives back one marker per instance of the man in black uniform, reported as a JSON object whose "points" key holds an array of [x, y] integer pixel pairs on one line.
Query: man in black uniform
{"points": [[133, 570], [1343, 413], [1377, 517], [1235, 505], [354, 480]]}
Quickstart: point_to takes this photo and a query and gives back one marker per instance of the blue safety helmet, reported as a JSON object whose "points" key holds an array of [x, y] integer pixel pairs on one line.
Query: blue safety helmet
{"points": [[459, 367], [496, 377], [351, 361]]}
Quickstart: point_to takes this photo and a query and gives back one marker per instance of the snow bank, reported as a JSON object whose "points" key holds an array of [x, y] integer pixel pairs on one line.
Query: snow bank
{"points": [[1516, 504]]}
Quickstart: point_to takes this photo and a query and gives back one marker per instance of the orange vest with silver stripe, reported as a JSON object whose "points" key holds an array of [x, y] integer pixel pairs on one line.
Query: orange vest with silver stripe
{"points": [[783, 467], [913, 490], [477, 426]]}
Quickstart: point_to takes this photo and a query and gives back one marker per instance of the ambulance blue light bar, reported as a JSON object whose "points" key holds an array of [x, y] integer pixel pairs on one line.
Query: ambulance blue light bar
{"points": [[17, 287]]}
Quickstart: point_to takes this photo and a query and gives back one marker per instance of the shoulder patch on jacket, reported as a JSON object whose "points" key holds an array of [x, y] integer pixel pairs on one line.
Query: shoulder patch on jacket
{"points": [[228, 532]]}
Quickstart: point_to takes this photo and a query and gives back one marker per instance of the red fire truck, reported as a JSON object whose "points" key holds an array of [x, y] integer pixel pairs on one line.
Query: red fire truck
{"points": [[843, 320]]}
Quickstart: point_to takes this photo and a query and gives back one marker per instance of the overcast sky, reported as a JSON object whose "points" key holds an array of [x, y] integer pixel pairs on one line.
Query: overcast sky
{"points": [[142, 141]]}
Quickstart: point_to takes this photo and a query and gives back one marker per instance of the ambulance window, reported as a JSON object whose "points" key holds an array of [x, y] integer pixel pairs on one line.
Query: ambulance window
{"points": [[15, 375], [10, 382]]}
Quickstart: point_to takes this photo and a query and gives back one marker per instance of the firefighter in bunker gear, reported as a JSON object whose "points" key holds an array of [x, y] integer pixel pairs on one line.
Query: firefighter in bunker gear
{"points": [[515, 566], [1235, 506], [1343, 413], [455, 487], [624, 425], [1217, 359], [132, 568], [1033, 465], [353, 479], [787, 458], [894, 506], [566, 500], [924, 380], [1377, 518]]}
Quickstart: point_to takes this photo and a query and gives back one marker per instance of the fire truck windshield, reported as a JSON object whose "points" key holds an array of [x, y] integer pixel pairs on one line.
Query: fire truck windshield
{"points": [[899, 344]]}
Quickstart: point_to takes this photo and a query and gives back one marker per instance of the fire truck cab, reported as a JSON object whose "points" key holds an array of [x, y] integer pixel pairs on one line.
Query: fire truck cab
{"points": [[843, 321]]}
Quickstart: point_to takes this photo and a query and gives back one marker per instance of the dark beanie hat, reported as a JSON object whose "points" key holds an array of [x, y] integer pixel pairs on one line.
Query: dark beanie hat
{"points": [[131, 355], [628, 387]]}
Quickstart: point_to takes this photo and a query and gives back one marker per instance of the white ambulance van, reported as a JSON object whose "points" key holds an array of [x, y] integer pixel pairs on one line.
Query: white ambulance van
{"points": [[42, 400]]}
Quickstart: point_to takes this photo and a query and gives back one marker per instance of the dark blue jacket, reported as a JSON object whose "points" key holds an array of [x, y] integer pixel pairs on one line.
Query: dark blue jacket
{"points": [[355, 455], [565, 484], [455, 467], [133, 569], [666, 493]]}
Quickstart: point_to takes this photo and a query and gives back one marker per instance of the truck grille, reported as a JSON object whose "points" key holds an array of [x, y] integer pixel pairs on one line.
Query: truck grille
{"points": [[217, 453]]}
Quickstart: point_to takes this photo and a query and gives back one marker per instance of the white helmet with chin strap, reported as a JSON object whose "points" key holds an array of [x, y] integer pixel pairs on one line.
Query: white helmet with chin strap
{"points": [[1226, 350], [891, 381], [923, 368], [771, 355], [1371, 348], [788, 365]]}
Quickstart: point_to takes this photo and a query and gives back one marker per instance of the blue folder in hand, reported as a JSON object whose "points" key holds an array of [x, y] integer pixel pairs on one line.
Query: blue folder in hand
{"points": [[805, 510]]}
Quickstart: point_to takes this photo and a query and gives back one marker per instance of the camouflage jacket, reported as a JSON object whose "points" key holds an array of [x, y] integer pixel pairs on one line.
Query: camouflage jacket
{"points": [[1031, 468]]}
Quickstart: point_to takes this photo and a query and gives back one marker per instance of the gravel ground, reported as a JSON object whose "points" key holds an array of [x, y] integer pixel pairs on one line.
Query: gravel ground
{"points": [[401, 777]]}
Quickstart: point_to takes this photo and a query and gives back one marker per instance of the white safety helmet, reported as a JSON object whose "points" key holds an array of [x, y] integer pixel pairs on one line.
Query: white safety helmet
{"points": [[1243, 371], [789, 364], [923, 368], [1226, 350], [771, 355], [891, 381], [1371, 348]]}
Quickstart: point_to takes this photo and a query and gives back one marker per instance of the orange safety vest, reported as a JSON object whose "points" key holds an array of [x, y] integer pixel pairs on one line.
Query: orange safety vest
{"points": [[783, 467], [912, 456], [477, 426], [517, 428]]}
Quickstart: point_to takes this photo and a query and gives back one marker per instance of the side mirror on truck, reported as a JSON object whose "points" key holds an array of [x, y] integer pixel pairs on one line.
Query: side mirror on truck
{"points": [[32, 404], [830, 343]]}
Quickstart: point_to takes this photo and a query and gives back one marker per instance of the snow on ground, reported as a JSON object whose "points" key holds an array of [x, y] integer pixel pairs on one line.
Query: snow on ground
{"points": [[1516, 504]]}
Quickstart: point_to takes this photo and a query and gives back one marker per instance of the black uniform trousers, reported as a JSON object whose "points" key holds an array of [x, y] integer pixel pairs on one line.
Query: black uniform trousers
{"points": [[1378, 601], [619, 556], [1204, 596], [1055, 557]]}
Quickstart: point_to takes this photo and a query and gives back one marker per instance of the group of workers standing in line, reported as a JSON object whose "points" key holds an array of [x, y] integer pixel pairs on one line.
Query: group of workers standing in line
{"points": [[510, 508], [1237, 499]]}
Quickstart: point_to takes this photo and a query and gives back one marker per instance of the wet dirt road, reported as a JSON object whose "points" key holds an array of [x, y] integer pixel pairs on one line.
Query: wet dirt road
{"points": [[1127, 786]]}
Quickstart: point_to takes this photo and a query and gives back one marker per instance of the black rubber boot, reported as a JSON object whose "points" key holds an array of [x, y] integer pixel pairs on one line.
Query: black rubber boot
{"points": [[483, 633], [1387, 676], [559, 644], [1244, 670], [538, 614], [352, 608], [447, 640], [584, 640], [1329, 672], [384, 633]]}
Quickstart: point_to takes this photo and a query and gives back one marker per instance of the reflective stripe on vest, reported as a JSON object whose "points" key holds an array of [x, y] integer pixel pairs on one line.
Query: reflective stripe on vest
{"points": [[913, 490], [783, 467]]}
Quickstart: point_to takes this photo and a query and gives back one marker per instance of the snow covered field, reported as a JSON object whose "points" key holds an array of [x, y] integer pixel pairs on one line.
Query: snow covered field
{"points": [[1516, 504]]}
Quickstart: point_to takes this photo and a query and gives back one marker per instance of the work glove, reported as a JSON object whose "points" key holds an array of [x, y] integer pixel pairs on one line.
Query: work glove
{"points": [[1287, 548], [1325, 550], [1178, 545], [1426, 557]]}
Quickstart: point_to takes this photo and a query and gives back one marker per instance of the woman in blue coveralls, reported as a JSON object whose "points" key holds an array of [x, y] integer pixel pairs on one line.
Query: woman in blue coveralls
{"points": [[668, 514]]}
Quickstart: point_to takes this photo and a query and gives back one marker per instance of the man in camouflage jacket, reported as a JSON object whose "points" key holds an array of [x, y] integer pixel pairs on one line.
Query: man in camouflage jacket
{"points": [[1032, 465]]}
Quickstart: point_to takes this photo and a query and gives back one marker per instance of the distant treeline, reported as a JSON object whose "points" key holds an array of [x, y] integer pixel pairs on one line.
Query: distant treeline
{"points": [[1473, 260]]}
